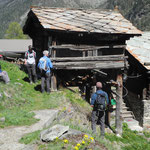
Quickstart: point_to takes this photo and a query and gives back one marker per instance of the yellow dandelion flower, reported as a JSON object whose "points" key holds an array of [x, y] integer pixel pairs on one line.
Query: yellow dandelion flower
{"points": [[76, 148], [65, 141], [92, 138], [86, 136], [83, 142], [78, 145], [56, 138]]}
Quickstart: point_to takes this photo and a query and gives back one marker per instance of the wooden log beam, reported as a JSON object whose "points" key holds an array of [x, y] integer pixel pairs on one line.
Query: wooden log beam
{"points": [[85, 47], [85, 63], [53, 51], [119, 91], [88, 65], [100, 72], [91, 58]]}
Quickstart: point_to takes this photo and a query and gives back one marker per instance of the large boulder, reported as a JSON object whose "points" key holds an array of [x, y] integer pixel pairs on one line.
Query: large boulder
{"points": [[70, 133], [53, 132]]}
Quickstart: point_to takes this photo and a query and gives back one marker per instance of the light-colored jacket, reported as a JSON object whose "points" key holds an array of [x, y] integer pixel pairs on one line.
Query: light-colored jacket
{"points": [[30, 57], [49, 64]]}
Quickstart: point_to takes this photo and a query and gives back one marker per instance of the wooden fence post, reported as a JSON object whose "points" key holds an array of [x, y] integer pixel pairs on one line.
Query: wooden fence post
{"points": [[88, 93], [53, 76], [119, 105], [53, 82]]}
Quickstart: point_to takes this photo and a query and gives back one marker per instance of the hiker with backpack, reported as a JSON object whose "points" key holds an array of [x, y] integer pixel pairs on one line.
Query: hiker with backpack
{"points": [[99, 101], [30, 63], [45, 65]]}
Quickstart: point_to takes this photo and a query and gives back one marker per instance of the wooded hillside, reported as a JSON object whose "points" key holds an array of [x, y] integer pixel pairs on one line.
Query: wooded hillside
{"points": [[137, 11]]}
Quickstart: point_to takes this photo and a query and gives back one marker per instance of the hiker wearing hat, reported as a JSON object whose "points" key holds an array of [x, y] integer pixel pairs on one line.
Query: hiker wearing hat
{"points": [[45, 65], [99, 101], [30, 63]]}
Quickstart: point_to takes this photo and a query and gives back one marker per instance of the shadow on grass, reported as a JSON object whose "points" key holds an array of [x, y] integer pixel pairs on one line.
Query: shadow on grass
{"points": [[26, 79], [38, 87]]}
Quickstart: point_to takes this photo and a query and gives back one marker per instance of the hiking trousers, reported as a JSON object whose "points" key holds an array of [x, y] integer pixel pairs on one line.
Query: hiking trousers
{"points": [[100, 120], [45, 78], [31, 71]]}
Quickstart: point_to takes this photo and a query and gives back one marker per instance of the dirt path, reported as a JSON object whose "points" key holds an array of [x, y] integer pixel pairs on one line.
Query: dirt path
{"points": [[9, 137]]}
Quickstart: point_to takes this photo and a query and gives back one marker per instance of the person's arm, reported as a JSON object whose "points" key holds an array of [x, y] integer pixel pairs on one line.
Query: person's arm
{"points": [[34, 54], [38, 63], [50, 64], [26, 56], [92, 100]]}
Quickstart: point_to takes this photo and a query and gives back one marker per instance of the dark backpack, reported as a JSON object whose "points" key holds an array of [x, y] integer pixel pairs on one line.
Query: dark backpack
{"points": [[99, 104]]}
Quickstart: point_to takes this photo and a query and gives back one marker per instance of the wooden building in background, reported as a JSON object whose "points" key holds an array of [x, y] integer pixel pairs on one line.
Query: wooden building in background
{"points": [[138, 78]]}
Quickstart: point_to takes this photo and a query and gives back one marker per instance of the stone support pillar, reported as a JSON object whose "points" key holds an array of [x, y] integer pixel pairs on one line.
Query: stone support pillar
{"points": [[146, 114]]}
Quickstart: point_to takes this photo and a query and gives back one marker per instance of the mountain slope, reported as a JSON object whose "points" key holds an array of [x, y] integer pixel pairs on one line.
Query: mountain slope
{"points": [[10, 11], [16, 10], [137, 11]]}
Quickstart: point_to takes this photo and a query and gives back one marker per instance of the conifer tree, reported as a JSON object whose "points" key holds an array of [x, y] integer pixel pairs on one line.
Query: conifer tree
{"points": [[14, 31]]}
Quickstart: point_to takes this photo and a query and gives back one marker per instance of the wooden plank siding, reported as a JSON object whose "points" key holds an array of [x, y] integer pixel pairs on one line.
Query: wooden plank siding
{"points": [[89, 65], [93, 58]]}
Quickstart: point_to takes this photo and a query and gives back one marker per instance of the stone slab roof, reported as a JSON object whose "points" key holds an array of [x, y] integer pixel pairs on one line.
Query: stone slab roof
{"points": [[139, 47], [79, 20]]}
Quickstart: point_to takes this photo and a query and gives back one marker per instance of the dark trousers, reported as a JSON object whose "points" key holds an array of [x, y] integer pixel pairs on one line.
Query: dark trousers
{"points": [[100, 119], [45, 77], [31, 72]]}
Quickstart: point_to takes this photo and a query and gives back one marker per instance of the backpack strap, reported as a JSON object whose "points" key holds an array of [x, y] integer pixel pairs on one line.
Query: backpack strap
{"points": [[33, 53]]}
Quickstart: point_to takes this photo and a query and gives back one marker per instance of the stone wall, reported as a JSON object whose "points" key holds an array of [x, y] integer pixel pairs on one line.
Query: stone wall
{"points": [[146, 115], [135, 104]]}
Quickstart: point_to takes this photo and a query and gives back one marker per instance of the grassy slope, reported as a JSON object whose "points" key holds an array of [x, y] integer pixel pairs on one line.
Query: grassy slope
{"points": [[19, 98]]}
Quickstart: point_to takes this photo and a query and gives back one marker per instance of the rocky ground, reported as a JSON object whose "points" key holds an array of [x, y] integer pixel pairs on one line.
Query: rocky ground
{"points": [[10, 136]]}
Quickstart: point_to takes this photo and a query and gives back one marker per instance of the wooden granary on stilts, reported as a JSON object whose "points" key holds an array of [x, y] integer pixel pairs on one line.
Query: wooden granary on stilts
{"points": [[86, 46]]}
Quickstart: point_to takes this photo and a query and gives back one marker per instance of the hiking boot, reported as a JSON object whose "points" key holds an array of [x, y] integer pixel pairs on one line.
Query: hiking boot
{"points": [[48, 91], [42, 91], [94, 133], [35, 80], [102, 136]]}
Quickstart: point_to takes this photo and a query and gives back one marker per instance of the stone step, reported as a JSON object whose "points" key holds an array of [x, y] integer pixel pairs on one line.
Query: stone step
{"points": [[131, 121], [127, 116], [125, 108], [133, 124], [126, 112], [123, 105]]}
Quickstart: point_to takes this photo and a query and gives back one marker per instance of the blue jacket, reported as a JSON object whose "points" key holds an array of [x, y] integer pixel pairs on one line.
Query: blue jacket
{"points": [[1, 71], [48, 64], [94, 96]]}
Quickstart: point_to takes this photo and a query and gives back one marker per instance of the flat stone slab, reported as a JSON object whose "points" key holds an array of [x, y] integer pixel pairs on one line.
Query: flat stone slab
{"points": [[133, 124], [54, 132], [71, 132]]}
